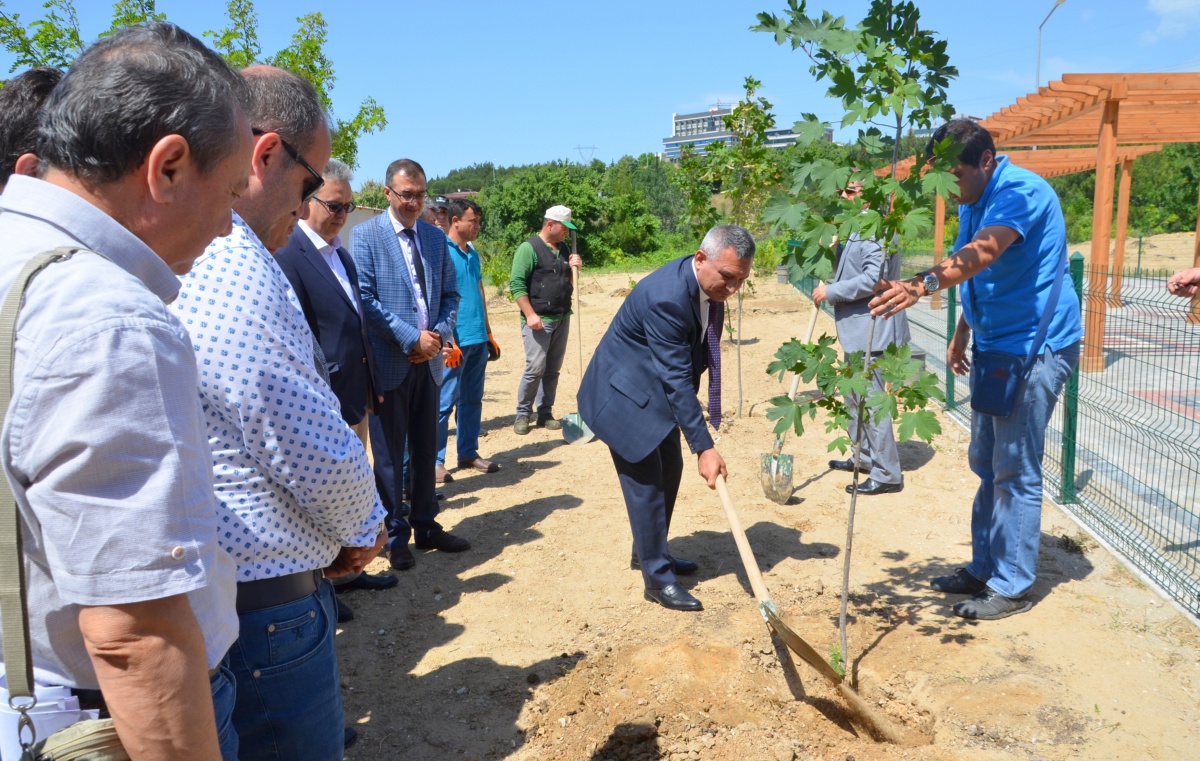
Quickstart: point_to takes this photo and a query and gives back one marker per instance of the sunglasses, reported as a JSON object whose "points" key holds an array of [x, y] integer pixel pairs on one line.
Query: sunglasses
{"points": [[336, 208], [311, 185]]}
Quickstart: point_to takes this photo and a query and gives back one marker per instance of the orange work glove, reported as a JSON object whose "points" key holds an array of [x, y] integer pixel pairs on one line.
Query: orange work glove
{"points": [[455, 357], [493, 349]]}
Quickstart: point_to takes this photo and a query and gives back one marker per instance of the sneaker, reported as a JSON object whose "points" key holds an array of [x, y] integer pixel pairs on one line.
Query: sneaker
{"points": [[989, 605], [549, 422], [961, 583], [521, 427]]}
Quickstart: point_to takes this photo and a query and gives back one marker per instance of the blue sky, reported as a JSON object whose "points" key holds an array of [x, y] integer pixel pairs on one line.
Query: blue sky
{"points": [[526, 81]]}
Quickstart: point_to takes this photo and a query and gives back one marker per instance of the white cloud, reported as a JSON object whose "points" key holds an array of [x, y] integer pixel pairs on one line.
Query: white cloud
{"points": [[1175, 19]]}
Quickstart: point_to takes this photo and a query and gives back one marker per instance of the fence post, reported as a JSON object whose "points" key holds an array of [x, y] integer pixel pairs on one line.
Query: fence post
{"points": [[951, 323], [1071, 403]]}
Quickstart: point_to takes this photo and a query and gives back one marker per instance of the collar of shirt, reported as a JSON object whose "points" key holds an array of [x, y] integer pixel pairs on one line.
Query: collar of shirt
{"points": [[324, 246], [704, 299], [397, 225], [978, 208], [92, 228], [461, 252]]}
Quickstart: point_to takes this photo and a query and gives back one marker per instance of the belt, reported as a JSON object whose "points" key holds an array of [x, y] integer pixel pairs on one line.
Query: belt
{"points": [[93, 700], [267, 593]]}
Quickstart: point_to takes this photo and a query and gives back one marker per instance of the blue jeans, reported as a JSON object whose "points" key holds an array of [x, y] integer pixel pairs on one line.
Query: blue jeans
{"points": [[463, 386], [1006, 454], [289, 698], [224, 694]]}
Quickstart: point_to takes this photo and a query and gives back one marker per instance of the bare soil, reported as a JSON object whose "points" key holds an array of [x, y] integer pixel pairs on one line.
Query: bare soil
{"points": [[537, 644]]}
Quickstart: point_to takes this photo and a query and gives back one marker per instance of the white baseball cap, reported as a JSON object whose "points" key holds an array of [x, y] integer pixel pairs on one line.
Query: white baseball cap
{"points": [[560, 214]]}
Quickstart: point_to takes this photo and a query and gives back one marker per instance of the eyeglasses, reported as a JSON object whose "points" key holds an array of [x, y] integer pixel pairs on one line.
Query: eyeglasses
{"points": [[313, 184], [406, 197], [336, 208]]}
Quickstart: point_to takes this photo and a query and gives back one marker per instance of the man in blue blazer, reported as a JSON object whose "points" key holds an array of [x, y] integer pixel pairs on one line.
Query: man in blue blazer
{"points": [[410, 298], [639, 392]]}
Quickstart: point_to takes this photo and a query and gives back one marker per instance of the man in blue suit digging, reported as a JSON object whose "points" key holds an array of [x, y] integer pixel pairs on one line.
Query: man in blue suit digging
{"points": [[410, 298], [640, 388]]}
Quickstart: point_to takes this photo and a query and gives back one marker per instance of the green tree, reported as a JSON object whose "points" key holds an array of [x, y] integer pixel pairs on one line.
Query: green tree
{"points": [[694, 182], [54, 40], [371, 195], [889, 75]]}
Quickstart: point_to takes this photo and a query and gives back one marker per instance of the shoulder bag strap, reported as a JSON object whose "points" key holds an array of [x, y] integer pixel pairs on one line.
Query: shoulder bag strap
{"points": [[14, 610]]}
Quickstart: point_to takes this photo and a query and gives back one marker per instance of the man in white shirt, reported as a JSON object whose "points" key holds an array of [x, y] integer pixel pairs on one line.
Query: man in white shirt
{"points": [[296, 491], [104, 445]]}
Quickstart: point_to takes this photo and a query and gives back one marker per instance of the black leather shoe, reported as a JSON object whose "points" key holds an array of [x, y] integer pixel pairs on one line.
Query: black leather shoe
{"points": [[367, 581], [673, 597], [344, 613], [961, 583], [680, 566], [443, 541], [349, 738], [402, 558], [846, 465], [871, 487]]}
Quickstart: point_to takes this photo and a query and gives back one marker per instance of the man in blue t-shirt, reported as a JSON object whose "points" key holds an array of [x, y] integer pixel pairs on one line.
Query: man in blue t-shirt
{"points": [[1012, 245], [462, 384]]}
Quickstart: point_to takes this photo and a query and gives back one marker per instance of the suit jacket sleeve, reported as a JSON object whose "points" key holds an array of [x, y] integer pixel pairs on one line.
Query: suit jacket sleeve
{"points": [[671, 351], [860, 275], [447, 315], [365, 245]]}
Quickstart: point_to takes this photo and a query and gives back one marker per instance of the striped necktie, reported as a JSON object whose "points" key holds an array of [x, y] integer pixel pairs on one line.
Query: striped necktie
{"points": [[712, 340]]}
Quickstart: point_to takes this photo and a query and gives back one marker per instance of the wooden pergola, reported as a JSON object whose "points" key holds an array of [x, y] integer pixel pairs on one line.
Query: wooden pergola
{"points": [[1102, 114]]}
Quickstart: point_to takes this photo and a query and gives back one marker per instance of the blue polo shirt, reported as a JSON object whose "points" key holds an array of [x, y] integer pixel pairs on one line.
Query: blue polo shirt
{"points": [[471, 327], [1012, 293]]}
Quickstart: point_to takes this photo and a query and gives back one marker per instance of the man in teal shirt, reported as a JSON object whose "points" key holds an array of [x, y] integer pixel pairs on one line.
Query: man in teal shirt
{"points": [[541, 285], [462, 385]]}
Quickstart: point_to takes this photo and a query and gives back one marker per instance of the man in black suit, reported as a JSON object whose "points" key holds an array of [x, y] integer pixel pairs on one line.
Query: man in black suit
{"points": [[323, 275], [647, 369]]}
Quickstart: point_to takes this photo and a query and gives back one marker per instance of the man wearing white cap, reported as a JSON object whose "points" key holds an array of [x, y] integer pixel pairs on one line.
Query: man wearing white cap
{"points": [[541, 284]]}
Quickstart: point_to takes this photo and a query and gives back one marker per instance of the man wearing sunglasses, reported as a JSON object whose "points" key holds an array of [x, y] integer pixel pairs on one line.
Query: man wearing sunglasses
{"points": [[295, 490]]}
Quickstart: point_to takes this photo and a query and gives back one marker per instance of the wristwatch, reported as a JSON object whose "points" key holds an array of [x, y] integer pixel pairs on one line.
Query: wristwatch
{"points": [[932, 284]]}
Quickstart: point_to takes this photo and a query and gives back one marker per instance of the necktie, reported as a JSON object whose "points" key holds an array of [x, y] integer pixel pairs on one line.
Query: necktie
{"points": [[418, 265], [712, 340]]}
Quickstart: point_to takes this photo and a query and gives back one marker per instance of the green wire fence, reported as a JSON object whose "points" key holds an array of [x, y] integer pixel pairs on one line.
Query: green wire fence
{"points": [[1123, 447]]}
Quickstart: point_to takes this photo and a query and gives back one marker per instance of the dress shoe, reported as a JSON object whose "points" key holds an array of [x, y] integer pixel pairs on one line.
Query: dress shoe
{"points": [[443, 541], [549, 423], [441, 475], [367, 581], [349, 738], [521, 426], [871, 487], [480, 464], [961, 583], [846, 465], [344, 613], [673, 597], [402, 558], [989, 605], [680, 566]]}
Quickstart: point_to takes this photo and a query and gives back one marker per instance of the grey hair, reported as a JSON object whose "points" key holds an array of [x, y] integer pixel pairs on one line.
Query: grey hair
{"points": [[722, 237], [336, 171], [133, 88], [285, 104]]}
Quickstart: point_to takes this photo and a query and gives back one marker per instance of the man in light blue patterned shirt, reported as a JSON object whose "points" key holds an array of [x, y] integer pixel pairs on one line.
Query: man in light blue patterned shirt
{"points": [[297, 492], [104, 445]]}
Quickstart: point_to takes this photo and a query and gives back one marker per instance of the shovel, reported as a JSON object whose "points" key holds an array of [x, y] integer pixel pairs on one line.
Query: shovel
{"points": [[860, 711], [575, 431], [775, 469]]}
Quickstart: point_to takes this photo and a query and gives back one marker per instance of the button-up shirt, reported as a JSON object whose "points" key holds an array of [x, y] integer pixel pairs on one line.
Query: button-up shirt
{"points": [[411, 247], [292, 478], [328, 252], [704, 299], [104, 445]]}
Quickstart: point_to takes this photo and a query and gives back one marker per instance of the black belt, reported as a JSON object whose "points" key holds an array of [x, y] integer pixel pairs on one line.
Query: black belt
{"points": [[267, 593]]}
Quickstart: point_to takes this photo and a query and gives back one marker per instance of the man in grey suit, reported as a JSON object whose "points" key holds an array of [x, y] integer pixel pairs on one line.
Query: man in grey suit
{"points": [[858, 270], [410, 299]]}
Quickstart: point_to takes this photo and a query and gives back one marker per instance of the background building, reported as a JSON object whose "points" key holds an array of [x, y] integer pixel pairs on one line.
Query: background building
{"points": [[706, 126]]}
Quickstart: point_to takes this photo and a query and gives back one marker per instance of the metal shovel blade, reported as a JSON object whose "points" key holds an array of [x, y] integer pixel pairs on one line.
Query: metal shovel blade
{"points": [[798, 646], [775, 472], [575, 431]]}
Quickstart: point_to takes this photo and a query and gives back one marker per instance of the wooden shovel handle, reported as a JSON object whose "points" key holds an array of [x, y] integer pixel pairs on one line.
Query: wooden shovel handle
{"points": [[743, 544], [812, 326]]}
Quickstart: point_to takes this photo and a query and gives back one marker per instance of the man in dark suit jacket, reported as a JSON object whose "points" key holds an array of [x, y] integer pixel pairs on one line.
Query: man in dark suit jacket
{"points": [[323, 275], [647, 370], [410, 299]]}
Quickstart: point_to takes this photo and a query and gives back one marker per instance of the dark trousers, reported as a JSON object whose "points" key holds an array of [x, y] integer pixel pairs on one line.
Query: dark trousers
{"points": [[385, 476], [409, 414], [650, 487]]}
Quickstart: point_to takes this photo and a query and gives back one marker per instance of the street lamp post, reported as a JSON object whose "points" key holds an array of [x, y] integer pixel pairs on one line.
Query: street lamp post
{"points": [[1057, 3]]}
